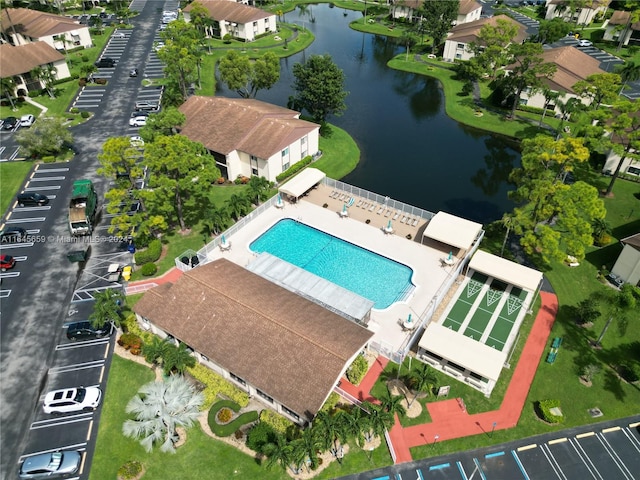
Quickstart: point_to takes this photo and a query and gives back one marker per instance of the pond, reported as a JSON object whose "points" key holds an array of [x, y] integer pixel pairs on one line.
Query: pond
{"points": [[410, 149]]}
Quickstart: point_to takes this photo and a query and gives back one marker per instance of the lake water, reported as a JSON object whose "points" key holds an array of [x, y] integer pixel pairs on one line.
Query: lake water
{"points": [[410, 149]]}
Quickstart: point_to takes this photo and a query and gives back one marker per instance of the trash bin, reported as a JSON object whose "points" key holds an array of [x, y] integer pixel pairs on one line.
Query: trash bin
{"points": [[79, 255]]}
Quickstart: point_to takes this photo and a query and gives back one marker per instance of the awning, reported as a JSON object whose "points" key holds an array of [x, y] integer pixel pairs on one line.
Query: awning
{"points": [[455, 231], [302, 182], [506, 270], [464, 351]]}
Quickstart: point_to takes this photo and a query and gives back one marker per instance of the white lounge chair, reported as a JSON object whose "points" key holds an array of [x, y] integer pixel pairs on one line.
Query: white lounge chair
{"points": [[404, 217], [359, 203], [415, 222], [372, 207], [381, 210], [388, 212], [395, 217]]}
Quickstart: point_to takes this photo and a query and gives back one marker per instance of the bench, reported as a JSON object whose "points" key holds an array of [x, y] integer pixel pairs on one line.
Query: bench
{"points": [[556, 342], [551, 357]]}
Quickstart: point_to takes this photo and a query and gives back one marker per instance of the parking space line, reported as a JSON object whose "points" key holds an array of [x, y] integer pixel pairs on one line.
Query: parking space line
{"points": [[49, 187], [27, 220], [82, 344], [76, 446], [586, 434], [496, 454], [20, 259], [67, 422], [478, 469], [78, 366], [45, 179], [51, 170], [615, 457], [5, 293], [527, 447], [557, 440], [553, 462], [439, 467], [9, 274], [586, 459], [612, 429], [17, 245], [520, 466], [634, 425]]}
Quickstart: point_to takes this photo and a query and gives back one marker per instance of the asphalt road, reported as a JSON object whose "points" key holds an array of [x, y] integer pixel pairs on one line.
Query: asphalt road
{"points": [[37, 303]]}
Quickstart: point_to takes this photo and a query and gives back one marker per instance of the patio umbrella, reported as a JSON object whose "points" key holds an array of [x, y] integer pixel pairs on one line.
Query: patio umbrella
{"points": [[389, 225], [279, 199], [450, 257], [409, 319], [223, 240], [344, 208]]}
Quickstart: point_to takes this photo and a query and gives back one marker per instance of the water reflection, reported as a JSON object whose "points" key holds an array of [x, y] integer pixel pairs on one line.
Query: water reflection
{"points": [[410, 149]]}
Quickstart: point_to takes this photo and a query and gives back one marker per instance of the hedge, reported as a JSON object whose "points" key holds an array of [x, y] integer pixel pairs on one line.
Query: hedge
{"points": [[216, 385], [295, 168], [149, 269], [234, 425], [530, 109], [275, 421], [545, 407], [150, 254], [357, 370]]}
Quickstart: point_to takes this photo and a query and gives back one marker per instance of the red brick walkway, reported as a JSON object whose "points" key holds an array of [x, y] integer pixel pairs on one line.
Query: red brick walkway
{"points": [[170, 276], [449, 418]]}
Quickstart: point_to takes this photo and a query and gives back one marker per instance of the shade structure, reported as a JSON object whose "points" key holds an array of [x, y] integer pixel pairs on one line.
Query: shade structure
{"points": [[302, 182], [451, 230], [506, 270]]}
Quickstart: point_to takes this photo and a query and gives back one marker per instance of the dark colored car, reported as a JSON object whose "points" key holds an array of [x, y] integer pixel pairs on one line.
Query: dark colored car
{"points": [[12, 235], [7, 262], [133, 72], [140, 113], [32, 199], [83, 329], [106, 62], [10, 123], [146, 106], [52, 464]]}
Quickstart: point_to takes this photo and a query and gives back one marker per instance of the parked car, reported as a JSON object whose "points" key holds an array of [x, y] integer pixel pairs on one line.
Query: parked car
{"points": [[151, 106], [137, 141], [140, 113], [10, 123], [105, 62], [48, 465], [158, 46], [69, 400], [84, 329], [584, 43], [32, 198], [27, 120], [12, 234], [7, 262], [133, 72], [118, 35], [139, 121]]}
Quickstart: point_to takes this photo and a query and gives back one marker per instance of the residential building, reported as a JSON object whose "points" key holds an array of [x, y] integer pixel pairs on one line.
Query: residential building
{"points": [[20, 26], [620, 24], [579, 15], [282, 349], [572, 65], [627, 266], [630, 166], [468, 11], [457, 45], [240, 21], [248, 137], [18, 63]]}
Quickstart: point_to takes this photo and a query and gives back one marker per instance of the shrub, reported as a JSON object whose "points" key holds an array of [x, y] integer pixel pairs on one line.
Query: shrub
{"points": [[227, 38], [150, 254], [276, 421], [74, 110], [48, 159], [357, 370], [84, 58], [129, 470], [216, 385], [530, 109], [259, 435], [325, 205], [629, 372], [85, 114], [545, 407], [224, 415], [82, 82], [149, 269], [101, 81], [295, 168], [131, 342], [220, 181], [331, 402]]}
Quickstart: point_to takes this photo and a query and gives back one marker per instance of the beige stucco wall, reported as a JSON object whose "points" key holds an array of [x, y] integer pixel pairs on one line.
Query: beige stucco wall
{"points": [[612, 163], [451, 49], [627, 266], [469, 17]]}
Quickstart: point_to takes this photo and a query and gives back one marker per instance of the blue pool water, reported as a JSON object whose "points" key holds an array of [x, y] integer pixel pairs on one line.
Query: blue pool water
{"points": [[361, 271]]}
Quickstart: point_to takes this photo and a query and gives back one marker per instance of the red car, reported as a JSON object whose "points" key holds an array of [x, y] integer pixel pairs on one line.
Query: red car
{"points": [[7, 262]]}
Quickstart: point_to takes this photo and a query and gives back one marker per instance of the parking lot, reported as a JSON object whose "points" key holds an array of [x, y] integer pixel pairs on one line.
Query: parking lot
{"points": [[606, 451]]}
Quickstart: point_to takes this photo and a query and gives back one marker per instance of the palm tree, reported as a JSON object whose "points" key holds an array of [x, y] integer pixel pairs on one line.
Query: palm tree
{"points": [[572, 105], [421, 379], [310, 443], [159, 408], [216, 219], [258, 187], [177, 359], [629, 72], [507, 221], [107, 308], [87, 69], [353, 423], [8, 86], [62, 38], [378, 421], [279, 452], [331, 431], [393, 403], [549, 96], [155, 351], [46, 75], [238, 205]]}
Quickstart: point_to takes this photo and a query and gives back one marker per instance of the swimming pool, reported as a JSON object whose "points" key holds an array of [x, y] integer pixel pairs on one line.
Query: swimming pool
{"points": [[377, 278]]}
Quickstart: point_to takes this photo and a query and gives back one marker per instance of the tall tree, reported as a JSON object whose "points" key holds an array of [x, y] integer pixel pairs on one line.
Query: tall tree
{"points": [[238, 205], [119, 161], [159, 408], [599, 88], [107, 307], [45, 75], [622, 306], [528, 71], [181, 54], [438, 18], [421, 379], [258, 188], [629, 72], [550, 97], [279, 452], [551, 31], [7, 87], [247, 76], [554, 219], [164, 123], [177, 359], [490, 51], [319, 86], [181, 171]]}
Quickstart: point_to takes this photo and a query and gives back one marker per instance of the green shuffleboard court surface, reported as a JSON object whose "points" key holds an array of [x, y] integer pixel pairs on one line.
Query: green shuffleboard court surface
{"points": [[485, 310], [464, 302]]}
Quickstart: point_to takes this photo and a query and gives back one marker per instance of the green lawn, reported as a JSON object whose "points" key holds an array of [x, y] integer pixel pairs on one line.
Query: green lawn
{"points": [[12, 176]]}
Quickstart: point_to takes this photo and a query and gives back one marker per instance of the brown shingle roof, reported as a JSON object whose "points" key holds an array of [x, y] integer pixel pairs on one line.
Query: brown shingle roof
{"points": [[24, 58], [34, 24], [468, 6], [572, 65], [468, 32], [632, 241], [230, 11], [285, 345], [621, 18], [226, 124]]}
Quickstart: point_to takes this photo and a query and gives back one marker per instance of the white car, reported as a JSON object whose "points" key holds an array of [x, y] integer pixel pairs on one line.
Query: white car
{"points": [[118, 35], [584, 43], [27, 120], [137, 121], [72, 400], [137, 141], [158, 46]]}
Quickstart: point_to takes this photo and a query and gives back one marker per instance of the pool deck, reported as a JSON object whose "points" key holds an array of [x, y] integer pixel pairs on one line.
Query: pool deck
{"points": [[425, 261]]}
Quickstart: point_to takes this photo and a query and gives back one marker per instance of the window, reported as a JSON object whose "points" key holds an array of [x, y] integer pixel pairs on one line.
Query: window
{"points": [[458, 55], [633, 170], [291, 413], [264, 395], [303, 147], [253, 161], [460, 46], [285, 159], [238, 379]]}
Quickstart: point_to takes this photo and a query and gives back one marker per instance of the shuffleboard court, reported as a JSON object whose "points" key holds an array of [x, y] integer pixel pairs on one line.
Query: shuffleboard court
{"points": [[463, 304], [482, 316], [505, 321]]}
